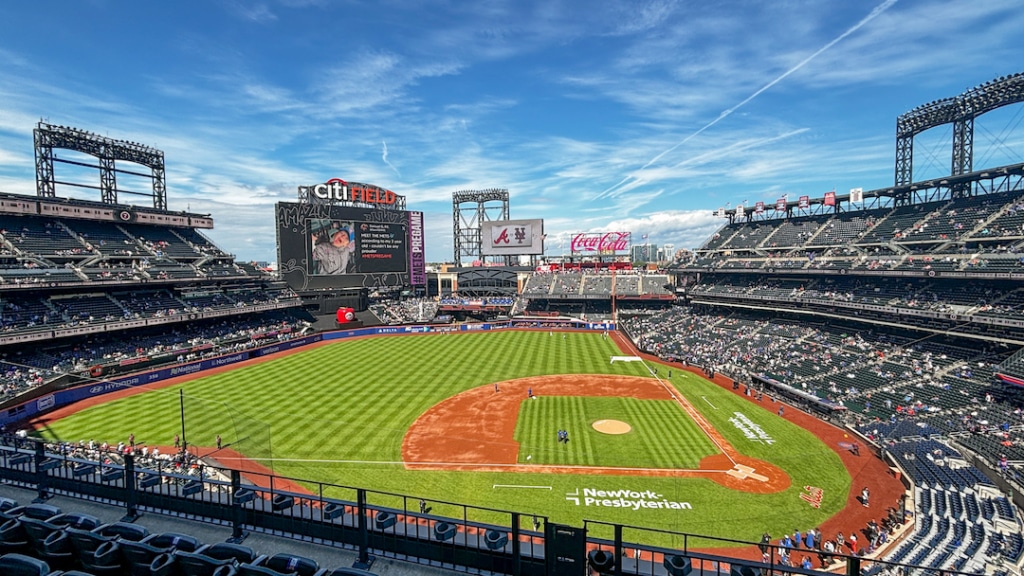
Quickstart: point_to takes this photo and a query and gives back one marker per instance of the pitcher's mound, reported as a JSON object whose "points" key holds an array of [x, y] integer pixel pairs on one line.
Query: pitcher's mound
{"points": [[611, 427]]}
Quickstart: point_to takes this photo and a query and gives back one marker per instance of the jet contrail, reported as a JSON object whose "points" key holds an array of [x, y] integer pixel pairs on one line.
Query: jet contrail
{"points": [[725, 113], [384, 157]]}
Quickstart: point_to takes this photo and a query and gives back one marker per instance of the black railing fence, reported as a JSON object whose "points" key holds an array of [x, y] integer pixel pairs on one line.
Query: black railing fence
{"points": [[450, 535]]}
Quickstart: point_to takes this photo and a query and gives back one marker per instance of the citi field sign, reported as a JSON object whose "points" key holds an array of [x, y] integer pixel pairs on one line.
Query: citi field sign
{"points": [[339, 190]]}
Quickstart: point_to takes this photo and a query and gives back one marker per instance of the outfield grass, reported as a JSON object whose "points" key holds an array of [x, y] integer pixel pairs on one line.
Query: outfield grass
{"points": [[338, 414], [662, 435]]}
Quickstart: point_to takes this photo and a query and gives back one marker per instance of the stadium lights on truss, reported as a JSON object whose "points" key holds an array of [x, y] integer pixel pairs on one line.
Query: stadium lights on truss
{"points": [[927, 116], [107, 152], [978, 100], [960, 111], [994, 94]]}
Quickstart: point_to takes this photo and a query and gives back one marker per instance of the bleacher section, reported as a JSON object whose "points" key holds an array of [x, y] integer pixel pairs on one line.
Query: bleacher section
{"points": [[588, 295], [78, 293], [901, 315], [977, 235], [912, 397], [44, 539], [39, 249]]}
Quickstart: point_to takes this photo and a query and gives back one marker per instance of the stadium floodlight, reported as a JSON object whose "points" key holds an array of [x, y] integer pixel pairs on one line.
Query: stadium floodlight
{"points": [[960, 111]]}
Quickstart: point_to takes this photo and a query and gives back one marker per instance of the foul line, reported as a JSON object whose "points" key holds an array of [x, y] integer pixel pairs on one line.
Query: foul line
{"points": [[519, 486], [702, 423], [531, 467], [705, 398]]}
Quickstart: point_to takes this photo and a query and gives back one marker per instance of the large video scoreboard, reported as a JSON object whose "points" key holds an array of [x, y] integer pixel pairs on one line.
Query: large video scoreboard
{"points": [[328, 241]]}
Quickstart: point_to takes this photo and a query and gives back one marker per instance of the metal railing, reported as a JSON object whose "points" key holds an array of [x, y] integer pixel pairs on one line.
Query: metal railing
{"points": [[450, 535]]}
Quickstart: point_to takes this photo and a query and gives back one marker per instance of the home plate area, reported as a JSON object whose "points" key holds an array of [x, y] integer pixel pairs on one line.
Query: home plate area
{"points": [[742, 472]]}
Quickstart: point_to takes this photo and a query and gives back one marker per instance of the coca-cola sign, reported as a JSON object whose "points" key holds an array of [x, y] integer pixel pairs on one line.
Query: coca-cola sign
{"points": [[601, 242]]}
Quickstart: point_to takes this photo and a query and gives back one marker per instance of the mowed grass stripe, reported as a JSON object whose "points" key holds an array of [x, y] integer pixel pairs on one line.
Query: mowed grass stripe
{"points": [[354, 397], [663, 435], [677, 438], [354, 400], [583, 449], [666, 432], [637, 415]]}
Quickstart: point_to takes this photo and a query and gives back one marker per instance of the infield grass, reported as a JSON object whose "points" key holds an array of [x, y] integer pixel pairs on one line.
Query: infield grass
{"points": [[337, 414], [662, 435]]}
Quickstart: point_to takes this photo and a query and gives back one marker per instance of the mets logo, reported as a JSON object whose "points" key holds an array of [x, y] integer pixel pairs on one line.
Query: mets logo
{"points": [[46, 402], [812, 496]]}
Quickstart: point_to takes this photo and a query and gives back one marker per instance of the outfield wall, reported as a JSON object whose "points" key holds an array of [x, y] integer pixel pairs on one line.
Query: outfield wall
{"points": [[60, 398]]}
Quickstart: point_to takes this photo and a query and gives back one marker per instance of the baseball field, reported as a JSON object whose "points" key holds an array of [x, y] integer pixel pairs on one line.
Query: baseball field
{"points": [[450, 418]]}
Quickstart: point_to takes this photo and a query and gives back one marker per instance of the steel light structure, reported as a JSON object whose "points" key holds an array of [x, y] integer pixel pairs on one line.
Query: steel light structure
{"points": [[107, 151], [470, 209], [960, 111]]}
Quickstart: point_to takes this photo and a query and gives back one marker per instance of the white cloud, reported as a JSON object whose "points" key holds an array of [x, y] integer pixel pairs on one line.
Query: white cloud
{"points": [[554, 101]]}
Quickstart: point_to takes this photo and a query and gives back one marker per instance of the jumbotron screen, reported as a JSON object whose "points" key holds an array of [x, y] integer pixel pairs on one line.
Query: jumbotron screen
{"points": [[328, 246]]}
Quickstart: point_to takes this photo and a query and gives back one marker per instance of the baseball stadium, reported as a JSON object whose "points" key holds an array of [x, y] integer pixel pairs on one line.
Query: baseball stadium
{"points": [[830, 384]]}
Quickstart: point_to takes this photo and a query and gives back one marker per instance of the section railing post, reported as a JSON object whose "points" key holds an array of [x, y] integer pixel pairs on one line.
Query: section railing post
{"points": [[238, 534], [618, 550], [363, 560], [131, 496], [41, 476], [516, 546]]}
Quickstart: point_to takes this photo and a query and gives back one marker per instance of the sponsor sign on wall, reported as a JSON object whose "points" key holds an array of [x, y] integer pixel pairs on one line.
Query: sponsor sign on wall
{"points": [[512, 237], [590, 243]]}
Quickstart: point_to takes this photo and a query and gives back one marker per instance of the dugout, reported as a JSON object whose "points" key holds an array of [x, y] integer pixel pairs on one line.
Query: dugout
{"points": [[797, 396]]}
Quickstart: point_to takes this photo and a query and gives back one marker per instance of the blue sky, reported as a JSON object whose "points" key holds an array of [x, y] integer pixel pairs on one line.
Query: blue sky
{"points": [[632, 115]]}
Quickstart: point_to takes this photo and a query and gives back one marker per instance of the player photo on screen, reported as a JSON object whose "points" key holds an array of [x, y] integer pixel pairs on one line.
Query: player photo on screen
{"points": [[333, 246]]}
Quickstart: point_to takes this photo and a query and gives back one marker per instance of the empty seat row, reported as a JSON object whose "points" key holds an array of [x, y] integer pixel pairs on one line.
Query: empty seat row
{"points": [[41, 540]]}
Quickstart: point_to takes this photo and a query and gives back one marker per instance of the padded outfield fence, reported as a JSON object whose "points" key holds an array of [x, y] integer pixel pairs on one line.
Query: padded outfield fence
{"points": [[400, 526]]}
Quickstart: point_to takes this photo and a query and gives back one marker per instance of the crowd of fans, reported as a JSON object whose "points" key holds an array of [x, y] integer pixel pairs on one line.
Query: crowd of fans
{"points": [[811, 549], [24, 368], [174, 459], [975, 306], [894, 386], [37, 249], [407, 311], [879, 376], [977, 234], [596, 283], [484, 301], [20, 312]]}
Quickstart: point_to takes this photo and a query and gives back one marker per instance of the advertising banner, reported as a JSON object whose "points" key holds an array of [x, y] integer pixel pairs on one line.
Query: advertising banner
{"points": [[588, 243], [512, 237], [417, 250]]}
